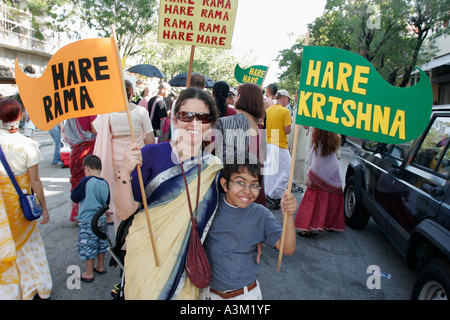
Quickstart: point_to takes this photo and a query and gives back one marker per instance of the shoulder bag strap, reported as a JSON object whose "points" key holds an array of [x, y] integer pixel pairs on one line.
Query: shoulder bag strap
{"points": [[193, 216], [10, 174]]}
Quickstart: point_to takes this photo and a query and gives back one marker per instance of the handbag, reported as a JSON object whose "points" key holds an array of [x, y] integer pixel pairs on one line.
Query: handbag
{"points": [[31, 207], [197, 264]]}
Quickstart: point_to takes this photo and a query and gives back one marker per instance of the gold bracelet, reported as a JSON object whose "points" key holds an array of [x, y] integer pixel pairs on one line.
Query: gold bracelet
{"points": [[123, 181]]}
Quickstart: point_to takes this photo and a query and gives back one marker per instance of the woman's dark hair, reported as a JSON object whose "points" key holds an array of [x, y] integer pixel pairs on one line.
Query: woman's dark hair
{"points": [[328, 141], [194, 93], [129, 88], [251, 100], [220, 92], [10, 110], [250, 162]]}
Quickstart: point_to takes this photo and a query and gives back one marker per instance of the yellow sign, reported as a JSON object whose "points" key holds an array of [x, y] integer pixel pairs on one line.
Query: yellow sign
{"points": [[83, 78], [208, 23]]}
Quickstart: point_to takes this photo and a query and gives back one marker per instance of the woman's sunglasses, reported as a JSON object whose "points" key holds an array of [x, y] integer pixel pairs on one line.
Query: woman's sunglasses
{"points": [[187, 116]]}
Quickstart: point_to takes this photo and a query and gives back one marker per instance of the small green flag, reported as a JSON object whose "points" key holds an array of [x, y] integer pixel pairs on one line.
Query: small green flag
{"points": [[253, 74], [342, 92]]}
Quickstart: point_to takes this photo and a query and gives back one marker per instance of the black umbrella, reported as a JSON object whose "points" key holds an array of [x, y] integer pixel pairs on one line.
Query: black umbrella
{"points": [[147, 70], [180, 80]]}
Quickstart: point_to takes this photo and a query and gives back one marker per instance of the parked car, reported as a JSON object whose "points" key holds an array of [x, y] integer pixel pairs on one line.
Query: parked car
{"points": [[405, 189]]}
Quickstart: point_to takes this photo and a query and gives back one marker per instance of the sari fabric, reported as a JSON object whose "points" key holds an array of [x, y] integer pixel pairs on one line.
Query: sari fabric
{"points": [[170, 220], [24, 269], [82, 143]]}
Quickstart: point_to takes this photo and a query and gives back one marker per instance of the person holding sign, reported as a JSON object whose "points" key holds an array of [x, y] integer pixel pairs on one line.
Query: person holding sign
{"points": [[239, 225], [166, 170], [277, 165], [322, 206]]}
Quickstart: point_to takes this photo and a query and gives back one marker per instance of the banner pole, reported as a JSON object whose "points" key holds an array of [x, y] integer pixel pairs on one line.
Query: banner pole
{"points": [[265, 75], [291, 174], [138, 167], [191, 63]]}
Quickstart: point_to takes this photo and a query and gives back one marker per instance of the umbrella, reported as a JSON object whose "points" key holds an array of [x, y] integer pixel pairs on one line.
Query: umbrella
{"points": [[147, 70], [180, 81]]}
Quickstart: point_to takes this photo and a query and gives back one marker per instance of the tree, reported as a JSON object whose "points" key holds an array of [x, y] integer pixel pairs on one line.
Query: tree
{"points": [[172, 59], [426, 15], [135, 22], [291, 59], [132, 19], [389, 34]]}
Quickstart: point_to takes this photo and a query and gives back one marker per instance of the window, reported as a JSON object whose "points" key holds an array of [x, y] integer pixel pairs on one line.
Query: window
{"points": [[433, 154]]}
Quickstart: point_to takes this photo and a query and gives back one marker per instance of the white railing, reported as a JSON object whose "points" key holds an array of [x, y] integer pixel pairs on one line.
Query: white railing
{"points": [[16, 30]]}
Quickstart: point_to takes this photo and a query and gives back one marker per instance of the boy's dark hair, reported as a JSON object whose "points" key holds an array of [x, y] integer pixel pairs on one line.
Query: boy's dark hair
{"points": [[248, 161], [93, 162]]}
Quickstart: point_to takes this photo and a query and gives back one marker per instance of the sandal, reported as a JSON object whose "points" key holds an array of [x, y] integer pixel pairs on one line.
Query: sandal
{"points": [[99, 272], [87, 280], [307, 234]]}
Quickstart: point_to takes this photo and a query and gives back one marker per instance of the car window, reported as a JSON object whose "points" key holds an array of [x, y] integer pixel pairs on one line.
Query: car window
{"points": [[433, 154], [397, 151], [444, 166]]}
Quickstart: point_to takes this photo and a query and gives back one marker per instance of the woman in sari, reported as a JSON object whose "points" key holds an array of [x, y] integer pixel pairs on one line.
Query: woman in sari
{"points": [[24, 271], [114, 136], [80, 134], [166, 169]]}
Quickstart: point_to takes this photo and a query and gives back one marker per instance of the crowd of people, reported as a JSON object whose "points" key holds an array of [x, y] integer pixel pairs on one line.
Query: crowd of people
{"points": [[230, 151]]}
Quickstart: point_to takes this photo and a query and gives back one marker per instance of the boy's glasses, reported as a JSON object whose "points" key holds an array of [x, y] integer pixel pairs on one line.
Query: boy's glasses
{"points": [[242, 185], [187, 116]]}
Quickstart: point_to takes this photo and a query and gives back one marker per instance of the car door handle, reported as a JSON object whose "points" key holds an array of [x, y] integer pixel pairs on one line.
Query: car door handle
{"points": [[433, 190]]}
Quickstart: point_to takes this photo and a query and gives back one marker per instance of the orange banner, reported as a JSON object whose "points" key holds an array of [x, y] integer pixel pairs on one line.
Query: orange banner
{"points": [[81, 79]]}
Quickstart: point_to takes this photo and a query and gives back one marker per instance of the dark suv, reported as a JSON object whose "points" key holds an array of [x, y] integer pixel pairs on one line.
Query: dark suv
{"points": [[405, 189]]}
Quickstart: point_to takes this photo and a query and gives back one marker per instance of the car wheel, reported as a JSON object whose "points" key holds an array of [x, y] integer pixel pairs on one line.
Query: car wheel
{"points": [[356, 216], [433, 282]]}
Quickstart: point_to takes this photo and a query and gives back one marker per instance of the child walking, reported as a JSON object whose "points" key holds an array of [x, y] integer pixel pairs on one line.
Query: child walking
{"points": [[92, 192], [238, 227], [322, 206]]}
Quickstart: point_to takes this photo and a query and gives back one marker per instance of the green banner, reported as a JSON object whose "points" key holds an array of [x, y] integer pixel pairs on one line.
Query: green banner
{"points": [[253, 74], [342, 92]]}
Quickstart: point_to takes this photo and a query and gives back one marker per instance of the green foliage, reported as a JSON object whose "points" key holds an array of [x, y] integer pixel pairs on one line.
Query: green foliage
{"points": [[135, 23], [388, 33]]}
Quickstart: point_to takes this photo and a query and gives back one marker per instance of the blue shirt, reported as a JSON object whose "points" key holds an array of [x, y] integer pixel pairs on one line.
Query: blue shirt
{"points": [[92, 193], [232, 240]]}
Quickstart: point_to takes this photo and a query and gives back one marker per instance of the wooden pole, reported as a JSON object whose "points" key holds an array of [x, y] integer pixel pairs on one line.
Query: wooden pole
{"points": [[138, 167], [191, 63], [291, 174], [265, 75]]}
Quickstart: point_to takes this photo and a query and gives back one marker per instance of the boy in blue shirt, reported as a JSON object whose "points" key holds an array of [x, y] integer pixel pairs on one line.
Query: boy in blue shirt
{"points": [[238, 227], [92, 193]]}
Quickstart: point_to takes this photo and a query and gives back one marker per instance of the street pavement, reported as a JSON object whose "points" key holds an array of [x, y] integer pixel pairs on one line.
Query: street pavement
{"points": [[330, 266]]}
